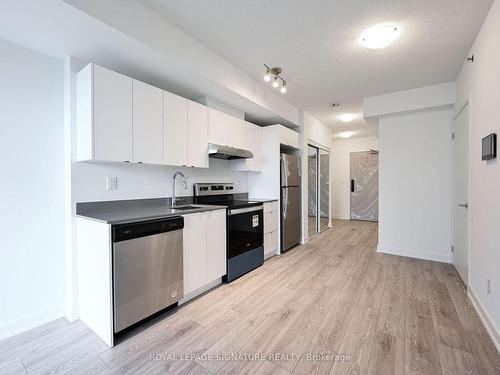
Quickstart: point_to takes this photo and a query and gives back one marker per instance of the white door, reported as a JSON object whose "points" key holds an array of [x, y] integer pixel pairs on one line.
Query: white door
{"points": [[237, 136], [147, 123], [254, 144], [461, 194], [216, 244], [197, 135], [175, 129], [112, 115], [194, 251], [218, 125]]}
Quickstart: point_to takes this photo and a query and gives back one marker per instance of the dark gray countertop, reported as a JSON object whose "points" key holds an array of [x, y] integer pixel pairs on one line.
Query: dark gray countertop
{"points": [[129, 211], [263, 200]]}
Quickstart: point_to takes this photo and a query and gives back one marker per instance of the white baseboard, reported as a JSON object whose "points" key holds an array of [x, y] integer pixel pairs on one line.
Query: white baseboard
{"points": [[444, 258], [341, 217], [28, 322], [483, 315]]}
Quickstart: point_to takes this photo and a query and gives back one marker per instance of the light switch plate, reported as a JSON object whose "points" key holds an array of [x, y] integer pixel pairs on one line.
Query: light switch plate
{"points": [[112, 183]]}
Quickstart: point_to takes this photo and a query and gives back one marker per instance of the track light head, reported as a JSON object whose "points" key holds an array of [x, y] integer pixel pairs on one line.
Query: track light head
{"points": [[275, 82], [267, 76]]}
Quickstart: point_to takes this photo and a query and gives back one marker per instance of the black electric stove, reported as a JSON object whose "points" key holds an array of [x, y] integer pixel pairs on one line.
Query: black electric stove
{"points": [[244, 227]]}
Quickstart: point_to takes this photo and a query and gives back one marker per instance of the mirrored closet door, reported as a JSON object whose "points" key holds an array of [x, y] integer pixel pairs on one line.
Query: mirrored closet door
{"points": [[318, 165]]}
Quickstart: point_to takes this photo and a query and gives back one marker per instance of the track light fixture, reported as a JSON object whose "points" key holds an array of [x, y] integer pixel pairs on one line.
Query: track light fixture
{"points": [[276, 71]]}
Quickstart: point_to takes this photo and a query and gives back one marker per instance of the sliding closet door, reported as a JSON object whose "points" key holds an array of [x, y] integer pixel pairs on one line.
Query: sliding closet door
{"points": [[318, 163], [312, 188], [324, 189]]}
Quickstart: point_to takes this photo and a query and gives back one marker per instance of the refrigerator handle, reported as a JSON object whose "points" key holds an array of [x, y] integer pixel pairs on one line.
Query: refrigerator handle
{"points": [[284, 203], [284, 175], [353, 185]]}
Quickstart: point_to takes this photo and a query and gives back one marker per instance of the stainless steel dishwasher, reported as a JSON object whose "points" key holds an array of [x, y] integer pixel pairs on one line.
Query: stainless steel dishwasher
{"points": [[147, 269]]}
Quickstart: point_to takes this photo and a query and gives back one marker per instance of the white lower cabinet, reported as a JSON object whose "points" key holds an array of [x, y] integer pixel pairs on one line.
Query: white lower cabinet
{"points": [[204, 248], [194, 251], [271, 242], [271, 227], [216, 244]]}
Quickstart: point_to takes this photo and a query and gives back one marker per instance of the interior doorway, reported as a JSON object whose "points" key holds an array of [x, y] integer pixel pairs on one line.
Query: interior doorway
{"points": [[461, 193], [318, 166], [364, 167]]}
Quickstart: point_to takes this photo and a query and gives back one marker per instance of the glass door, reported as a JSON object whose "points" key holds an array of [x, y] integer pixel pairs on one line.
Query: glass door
{"points": [[324, 190], [312, 188], [318, 161]]}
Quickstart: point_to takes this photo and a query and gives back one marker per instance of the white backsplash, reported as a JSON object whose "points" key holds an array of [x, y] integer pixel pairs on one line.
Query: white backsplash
{"points": [[137, 181]]}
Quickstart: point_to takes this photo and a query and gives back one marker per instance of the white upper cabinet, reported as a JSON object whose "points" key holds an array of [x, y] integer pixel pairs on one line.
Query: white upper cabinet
{"points": [[104, 115], [120, 119], [237, 136], [254, 144], [218, 125], [147, 123], [175, 129], [197, 135], [288, 137], [253, 136]]}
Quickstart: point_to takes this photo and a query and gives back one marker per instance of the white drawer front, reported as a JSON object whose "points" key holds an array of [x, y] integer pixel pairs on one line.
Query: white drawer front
{"points": [[270, 206], [271, 242], [270, 222]]}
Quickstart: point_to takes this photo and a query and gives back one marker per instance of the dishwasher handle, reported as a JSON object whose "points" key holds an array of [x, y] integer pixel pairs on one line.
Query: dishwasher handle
{"points": [[124, 232]]}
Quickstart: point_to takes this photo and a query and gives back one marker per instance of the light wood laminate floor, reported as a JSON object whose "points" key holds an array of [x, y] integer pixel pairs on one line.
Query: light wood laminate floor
{"points": [[334, 296]]}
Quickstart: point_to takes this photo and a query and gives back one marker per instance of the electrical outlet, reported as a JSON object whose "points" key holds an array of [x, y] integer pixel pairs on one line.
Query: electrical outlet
{"points": [[112, 183], [488, 286]]}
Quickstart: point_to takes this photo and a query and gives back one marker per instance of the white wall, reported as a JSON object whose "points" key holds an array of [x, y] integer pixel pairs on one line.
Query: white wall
{"points": [[341, 151], [136, 181], [441, 95], [415, 184], [32, 253], [481, 80]]}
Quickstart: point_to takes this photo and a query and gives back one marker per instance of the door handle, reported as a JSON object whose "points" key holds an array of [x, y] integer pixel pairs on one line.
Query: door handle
{"points": [[464, 205], [352, 185]]}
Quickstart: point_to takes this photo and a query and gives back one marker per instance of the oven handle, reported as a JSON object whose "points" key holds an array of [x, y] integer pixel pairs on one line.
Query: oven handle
{"points": [[243, 210]]}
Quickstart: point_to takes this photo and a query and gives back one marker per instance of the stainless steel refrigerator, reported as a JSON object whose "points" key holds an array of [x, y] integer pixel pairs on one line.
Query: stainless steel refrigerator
{"points": [[290, 201]]}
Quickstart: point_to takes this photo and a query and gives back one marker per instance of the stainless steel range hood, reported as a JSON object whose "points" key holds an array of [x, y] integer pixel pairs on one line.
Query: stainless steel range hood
{"points": [[228, 153]]}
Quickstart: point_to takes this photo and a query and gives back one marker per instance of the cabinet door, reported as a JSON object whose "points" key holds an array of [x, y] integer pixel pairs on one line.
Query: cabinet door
{"points": [[147, 123], [271, 243], [288, 137], [112, 94], [195, 251], [197, 135], [218, 126], [216, 244], [237, 133], [174, 129], [254, 144]]}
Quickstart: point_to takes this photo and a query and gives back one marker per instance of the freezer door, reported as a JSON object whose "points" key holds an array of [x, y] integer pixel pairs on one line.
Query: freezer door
{"points": [[290, 170], [290, 217]]}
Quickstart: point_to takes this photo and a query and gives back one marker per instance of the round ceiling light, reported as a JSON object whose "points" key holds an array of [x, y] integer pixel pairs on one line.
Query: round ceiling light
{"points": [[380, 36], [347, 117], [346, 134]]}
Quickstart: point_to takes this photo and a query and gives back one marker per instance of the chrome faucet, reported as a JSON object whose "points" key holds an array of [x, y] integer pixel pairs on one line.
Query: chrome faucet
{"points": [[173, 185]]}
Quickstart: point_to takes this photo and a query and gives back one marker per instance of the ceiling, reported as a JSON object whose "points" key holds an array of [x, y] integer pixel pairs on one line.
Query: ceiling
{"points": [[316, 45]]}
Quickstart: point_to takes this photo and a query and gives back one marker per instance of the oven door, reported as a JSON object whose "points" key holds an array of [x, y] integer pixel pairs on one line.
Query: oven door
{"points": [[245, 230]]}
